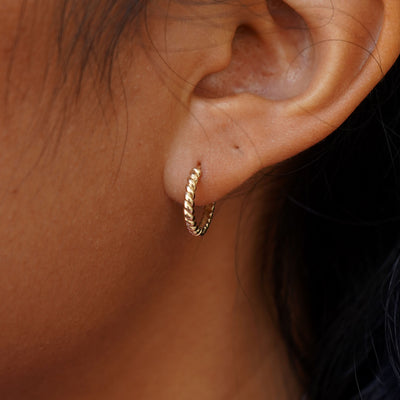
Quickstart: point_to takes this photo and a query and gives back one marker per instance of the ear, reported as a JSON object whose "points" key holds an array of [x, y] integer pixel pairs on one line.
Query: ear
{"points": [[274, 79]]}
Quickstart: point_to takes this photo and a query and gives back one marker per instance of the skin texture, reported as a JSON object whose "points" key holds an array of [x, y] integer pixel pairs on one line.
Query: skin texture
{"points": [[103, 294]]}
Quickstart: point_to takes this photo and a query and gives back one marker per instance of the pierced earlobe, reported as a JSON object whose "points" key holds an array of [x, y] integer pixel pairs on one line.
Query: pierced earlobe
{"points": [[188, 208]]}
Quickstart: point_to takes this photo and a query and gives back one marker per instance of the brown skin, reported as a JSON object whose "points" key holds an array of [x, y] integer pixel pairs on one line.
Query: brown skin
{"points": [[103, 293]]}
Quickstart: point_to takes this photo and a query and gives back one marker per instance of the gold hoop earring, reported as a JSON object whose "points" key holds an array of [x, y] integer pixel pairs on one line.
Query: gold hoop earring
{"points": [[188, 208]]}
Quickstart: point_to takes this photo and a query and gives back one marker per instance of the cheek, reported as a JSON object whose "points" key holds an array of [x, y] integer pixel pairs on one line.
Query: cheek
{"points": [[63, 271], [83, 224], [79, 240]]}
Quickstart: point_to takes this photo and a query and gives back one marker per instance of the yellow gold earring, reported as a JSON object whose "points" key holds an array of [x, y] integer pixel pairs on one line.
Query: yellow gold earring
{"points": [[188, 208]]}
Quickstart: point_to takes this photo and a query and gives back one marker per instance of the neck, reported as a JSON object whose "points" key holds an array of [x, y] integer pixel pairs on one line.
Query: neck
{"points": [[203, 330]]}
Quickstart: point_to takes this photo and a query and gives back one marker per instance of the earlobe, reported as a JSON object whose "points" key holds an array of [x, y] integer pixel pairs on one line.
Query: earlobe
{"points": [[296, 72]]}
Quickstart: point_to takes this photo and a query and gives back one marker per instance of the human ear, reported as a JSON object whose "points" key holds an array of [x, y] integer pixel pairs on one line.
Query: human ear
{"points": [[284, 75]]}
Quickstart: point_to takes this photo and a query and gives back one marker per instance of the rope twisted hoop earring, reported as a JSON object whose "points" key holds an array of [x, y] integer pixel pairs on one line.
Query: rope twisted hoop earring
{"points": [[188, 208]]}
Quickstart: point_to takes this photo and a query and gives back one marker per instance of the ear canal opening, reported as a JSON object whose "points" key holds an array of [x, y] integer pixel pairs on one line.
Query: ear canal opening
{"points": [[274, 61]]}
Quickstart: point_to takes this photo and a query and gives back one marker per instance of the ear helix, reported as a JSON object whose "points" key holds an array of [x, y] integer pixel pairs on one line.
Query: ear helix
{"points": [[188, 208]]}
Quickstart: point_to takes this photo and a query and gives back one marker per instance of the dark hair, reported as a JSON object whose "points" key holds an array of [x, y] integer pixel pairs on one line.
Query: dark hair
{"points": [[91, 31], [338, 234], [337, 244]]}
